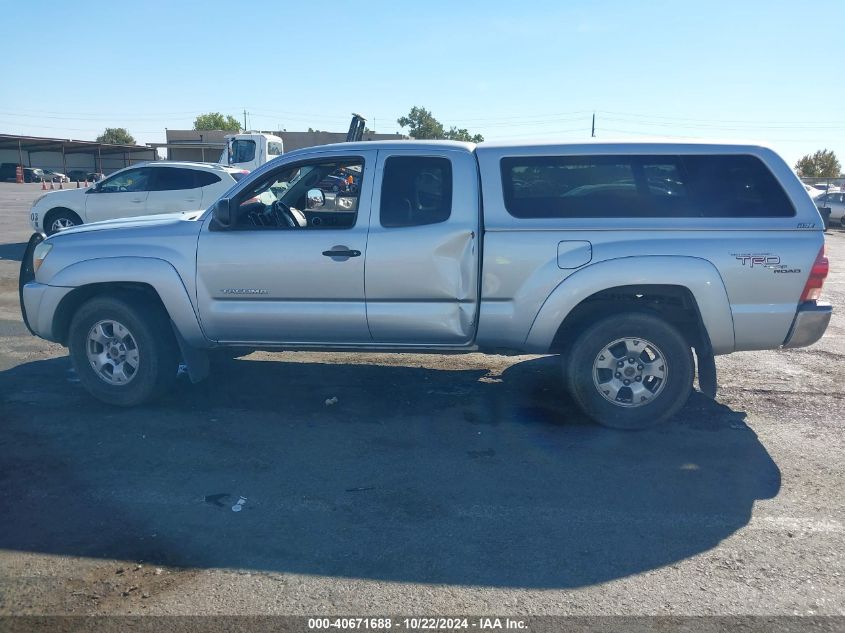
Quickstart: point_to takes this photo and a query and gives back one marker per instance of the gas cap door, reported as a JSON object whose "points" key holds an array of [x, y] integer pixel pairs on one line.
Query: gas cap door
{"points": [[573, 254]]}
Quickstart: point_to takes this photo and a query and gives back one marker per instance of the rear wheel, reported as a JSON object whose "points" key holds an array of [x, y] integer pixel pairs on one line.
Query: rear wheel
{"points": [[124, 351], [630, 371]]}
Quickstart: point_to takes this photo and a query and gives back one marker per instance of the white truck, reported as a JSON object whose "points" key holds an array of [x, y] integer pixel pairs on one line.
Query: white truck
{"points": [[250, 150]]}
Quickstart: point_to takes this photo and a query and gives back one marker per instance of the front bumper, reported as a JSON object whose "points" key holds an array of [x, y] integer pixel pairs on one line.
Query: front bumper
{"points": [[809, 324]]}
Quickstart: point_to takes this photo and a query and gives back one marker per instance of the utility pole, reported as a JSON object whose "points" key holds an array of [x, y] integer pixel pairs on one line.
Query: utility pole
{"points": [[245, 127], [593, 134]]}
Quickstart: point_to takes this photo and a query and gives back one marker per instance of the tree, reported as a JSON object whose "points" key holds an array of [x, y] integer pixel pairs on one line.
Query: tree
{"points": [[455, 134], [217, 121], [822, 164], [422, 125], [116, 136]]}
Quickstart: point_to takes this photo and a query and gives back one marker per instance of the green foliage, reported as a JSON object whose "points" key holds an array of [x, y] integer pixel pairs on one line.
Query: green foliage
{"points": [[116, 136], [217, 121], [455, 134], [822, 164], [422, 125]]}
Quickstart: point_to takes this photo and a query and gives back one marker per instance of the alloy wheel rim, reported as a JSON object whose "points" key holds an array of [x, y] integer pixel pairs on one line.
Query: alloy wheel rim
{"points": [[630, 372], [60, 224], [112, 352]]}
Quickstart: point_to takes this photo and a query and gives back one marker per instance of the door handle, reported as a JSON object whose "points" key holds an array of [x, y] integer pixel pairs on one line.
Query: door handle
{"points": [[137, 200], [341, 252]]}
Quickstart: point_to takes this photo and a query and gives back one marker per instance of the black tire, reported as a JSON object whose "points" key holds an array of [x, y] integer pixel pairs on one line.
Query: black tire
{"points": [[671, 396], [156, 345], [55, 215]]}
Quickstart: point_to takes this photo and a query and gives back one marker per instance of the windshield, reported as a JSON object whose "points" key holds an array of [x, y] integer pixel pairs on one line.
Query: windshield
{"points": [[243, 151]]}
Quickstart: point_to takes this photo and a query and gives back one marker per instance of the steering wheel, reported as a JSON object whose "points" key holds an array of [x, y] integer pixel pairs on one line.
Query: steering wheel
{"points": [[284, 216]]}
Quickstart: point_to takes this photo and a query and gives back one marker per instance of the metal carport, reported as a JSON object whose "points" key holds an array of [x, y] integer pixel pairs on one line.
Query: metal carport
{"points": [[104, 157]]}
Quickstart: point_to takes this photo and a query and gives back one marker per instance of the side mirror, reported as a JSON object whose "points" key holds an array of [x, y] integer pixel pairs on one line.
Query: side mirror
{"points": [[222, 213], [315, 199]]}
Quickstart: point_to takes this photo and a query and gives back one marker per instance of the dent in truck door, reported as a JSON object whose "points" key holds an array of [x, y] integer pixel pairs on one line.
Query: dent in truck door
{"points": [[422, 263]]}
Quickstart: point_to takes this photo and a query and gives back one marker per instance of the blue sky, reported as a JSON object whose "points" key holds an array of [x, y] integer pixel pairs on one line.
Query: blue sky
{"points": [[757, 70]]}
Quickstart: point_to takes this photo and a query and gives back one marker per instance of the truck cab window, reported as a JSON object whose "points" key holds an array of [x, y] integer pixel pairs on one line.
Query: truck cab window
{"points": [[311, 196], [416, 190]]}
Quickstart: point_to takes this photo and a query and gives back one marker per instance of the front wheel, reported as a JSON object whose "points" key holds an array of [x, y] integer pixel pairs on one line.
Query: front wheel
{"points": [[124, 351], [60, 220], [630, 371]]}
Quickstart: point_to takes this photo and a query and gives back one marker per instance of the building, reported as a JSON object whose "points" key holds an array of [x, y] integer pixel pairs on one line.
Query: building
{"points": [[208, 145], [63, 155]]}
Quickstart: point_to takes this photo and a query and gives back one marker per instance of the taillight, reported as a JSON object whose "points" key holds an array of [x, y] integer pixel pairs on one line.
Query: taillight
{"points": [[818, 273]]}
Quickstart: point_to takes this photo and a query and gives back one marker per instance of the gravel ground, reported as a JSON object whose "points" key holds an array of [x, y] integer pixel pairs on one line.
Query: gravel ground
{"points": [[435, 485]]}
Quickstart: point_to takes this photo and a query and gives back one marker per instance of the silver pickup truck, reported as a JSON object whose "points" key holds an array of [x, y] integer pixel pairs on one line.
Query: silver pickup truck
{"points": [[636, 262]]}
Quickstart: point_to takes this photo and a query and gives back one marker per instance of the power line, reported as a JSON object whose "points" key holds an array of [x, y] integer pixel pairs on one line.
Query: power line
{"points": [[739, 121], [72, 129], [583, 130], [708, 126], [691, 137]]}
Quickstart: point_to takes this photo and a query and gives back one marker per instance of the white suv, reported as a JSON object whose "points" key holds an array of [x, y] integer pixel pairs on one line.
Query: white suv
{"points": [[143, 189]]}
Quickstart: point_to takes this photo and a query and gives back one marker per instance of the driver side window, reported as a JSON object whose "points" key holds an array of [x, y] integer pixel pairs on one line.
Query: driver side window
{"points": [[314, 195], [132, 180]]}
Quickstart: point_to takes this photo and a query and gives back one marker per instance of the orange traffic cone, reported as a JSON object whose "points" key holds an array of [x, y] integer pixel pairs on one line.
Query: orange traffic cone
{"points": [[86, 182], [61, 186], [43, 185], [77, 184], [52, 186]]}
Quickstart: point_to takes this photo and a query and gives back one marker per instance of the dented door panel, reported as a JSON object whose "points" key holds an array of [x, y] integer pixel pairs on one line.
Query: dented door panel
{"points": [[421, 282]]}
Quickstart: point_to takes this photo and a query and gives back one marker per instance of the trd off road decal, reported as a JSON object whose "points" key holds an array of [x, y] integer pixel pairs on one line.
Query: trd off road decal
{"points": [[764, 260]]}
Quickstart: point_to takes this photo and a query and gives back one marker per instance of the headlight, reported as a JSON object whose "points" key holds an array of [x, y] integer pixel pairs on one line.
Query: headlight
{"points": [[40, 254]]}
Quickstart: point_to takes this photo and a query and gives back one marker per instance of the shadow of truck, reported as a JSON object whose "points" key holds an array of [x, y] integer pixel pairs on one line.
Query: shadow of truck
{"points": [[416, 475]]}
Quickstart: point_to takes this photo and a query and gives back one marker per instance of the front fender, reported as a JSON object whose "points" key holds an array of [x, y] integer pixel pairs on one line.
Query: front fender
{"points": [[47, 204], [699, 276], [158, 273]]}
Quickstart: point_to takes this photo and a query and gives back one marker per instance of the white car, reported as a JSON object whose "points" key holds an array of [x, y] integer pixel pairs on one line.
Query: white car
{"points": [[56, 176], [813, 191], [144, 189], [835, 201]]}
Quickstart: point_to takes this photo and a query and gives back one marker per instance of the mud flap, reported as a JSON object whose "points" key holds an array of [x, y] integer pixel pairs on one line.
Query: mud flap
{"points": [[706, 370], [196, 360]]}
